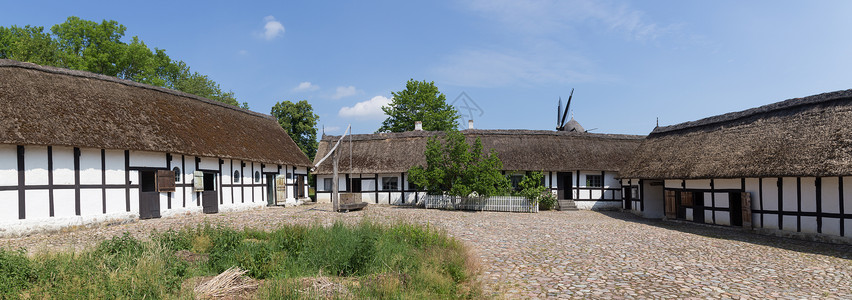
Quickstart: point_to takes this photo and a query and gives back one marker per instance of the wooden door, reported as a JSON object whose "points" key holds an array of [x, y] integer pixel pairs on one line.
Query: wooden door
{"points": [[209, 198], [626, 194], [746, 208], [671, 204], [149, 198], [563, 186], [280, 189], [685, 202]]}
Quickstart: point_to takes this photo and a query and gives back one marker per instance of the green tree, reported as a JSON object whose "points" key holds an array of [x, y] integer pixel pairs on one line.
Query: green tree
{"points": [[28, 43], [300, 121], [419, 101], [98, 47], [456, 168]]}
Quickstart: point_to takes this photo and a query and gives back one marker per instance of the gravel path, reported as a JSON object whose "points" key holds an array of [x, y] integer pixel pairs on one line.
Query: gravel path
{"points": [[580, 254]]}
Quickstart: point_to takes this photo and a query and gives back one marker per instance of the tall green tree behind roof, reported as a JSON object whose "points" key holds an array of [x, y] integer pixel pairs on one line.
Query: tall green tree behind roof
{"points": [[97, 47], [300, 121], [419, 101]]}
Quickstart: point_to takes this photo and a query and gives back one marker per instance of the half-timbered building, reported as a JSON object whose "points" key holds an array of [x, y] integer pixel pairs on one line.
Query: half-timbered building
{"points": [[79, 148], [783, 168], [579, 166]]}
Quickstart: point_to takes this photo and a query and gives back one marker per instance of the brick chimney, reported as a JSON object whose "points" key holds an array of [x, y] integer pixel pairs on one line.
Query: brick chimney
{"points": [[418, 126], [469, 124]]}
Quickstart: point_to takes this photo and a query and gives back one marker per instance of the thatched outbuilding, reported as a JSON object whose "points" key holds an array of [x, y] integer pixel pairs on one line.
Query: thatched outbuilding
{"points": [[790, 160], [78, 147], [577, 165]]}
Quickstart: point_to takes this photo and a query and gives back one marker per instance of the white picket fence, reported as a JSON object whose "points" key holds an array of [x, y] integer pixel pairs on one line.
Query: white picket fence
{"points": [[496, 203]]}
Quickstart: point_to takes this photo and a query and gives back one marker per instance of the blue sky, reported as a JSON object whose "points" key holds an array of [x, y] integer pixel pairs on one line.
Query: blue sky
{"points": [[629, 62]]}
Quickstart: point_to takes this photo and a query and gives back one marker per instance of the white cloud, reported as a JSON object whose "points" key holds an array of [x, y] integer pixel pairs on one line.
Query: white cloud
{"points": [[272, 29], [306, 86], [366, 110], [547, 35], [243, 52], [344, 91], [558, 16], [492, 68]]}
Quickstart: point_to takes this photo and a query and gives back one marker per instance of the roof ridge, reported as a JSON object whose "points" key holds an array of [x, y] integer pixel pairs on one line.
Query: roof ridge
{"points": [[508, 132], [90, 75], [772, 107]]}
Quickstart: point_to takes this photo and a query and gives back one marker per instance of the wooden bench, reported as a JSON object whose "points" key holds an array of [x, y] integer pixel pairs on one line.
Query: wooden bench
{"points": [[351, 201]]}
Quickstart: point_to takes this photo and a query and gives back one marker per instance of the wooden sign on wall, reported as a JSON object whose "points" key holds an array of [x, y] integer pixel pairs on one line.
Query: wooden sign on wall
{"points": [[198, 181]]}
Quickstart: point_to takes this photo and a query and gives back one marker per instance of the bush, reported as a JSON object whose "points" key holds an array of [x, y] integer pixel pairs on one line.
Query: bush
{"points": [[547, 201]]}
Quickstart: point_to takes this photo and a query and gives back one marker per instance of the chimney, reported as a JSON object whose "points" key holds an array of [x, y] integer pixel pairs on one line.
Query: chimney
{"points": [[469, 124], [418, 126]]}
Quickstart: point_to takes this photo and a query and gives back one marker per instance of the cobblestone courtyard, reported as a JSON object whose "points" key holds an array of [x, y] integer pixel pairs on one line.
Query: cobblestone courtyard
{"points": [[580, 254]]}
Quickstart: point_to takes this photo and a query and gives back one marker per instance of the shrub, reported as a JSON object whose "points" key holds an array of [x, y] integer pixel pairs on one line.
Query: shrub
{"points": [[547, 201]]}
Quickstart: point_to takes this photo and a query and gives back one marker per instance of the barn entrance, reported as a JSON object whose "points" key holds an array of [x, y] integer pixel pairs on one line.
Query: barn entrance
{"points": [[563, 185], [149, 198], [209, 199]]}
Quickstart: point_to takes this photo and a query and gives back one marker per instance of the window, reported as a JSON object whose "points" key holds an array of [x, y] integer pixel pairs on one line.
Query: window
{"points": [[634, 192], [390, 183], [412, 186], [328, 184], [177, 174], [594, 181], [256, 176], [236, 176], [516, 181]]}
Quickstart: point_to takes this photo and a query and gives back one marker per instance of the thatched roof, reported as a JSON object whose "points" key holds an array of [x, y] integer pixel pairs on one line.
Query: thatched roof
{"points": [[809, 136], [51, 106], [528, 150]]}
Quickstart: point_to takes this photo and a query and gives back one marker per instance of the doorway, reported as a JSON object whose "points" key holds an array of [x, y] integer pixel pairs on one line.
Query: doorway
{"points": [[209, 198], [698, 207], [149, 198], [563, 188], [300, 185], [270, 189], [736, 206], [356, 185]]}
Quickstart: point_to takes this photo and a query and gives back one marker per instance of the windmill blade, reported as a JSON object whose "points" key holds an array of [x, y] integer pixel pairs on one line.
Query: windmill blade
{"points": [[565, 115], [558, 113]]}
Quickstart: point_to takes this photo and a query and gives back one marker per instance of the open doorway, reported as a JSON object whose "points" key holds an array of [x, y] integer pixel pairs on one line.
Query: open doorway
{"points": [[149, 198], [564, 185], [209, 198], [270, 189]]}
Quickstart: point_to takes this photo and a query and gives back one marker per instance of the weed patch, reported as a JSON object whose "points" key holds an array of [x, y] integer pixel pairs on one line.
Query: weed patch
{"points": [[365, 260]]}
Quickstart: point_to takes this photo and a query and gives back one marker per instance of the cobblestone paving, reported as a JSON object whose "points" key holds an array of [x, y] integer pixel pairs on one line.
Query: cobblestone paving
{"points": [[583, 254]]}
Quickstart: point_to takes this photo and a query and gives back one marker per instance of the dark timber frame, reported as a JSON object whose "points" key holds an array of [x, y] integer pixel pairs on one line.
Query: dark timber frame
{"points": [[761, 213]]}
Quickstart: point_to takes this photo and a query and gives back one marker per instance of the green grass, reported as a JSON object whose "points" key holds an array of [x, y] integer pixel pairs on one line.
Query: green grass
{"points": [[367, 260]]}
